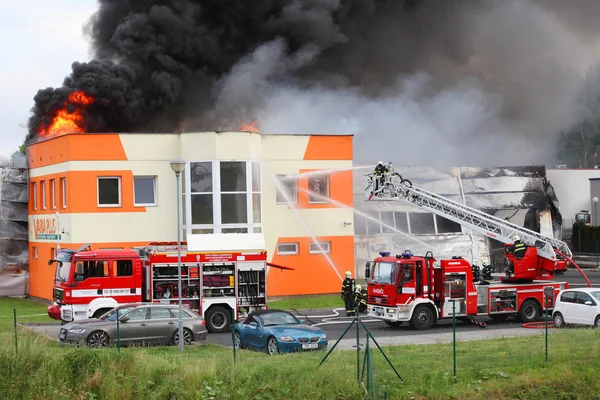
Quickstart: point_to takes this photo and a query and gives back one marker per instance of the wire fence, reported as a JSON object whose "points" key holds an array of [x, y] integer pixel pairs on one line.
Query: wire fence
{"points": [[376, 356]]}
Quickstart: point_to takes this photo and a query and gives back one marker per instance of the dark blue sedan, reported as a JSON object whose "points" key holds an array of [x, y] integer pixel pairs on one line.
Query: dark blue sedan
{"points": [[277, 331]]}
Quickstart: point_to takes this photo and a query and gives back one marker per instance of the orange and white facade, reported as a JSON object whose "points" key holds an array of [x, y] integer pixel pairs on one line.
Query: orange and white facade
{"points": [[118, 191]]}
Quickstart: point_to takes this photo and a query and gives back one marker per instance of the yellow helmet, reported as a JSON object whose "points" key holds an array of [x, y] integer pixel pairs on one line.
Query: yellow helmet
{"points": [[348, 274], [357, 288]]}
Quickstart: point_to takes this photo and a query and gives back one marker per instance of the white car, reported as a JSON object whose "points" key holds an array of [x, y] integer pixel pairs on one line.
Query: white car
{"points": [[577, 307]]}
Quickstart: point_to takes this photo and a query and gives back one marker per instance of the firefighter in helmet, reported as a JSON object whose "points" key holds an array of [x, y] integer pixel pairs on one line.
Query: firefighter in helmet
{"points": [[360, 299], [475, 270], [518, 249], [379, 172], [486, 273], [348, 294]]}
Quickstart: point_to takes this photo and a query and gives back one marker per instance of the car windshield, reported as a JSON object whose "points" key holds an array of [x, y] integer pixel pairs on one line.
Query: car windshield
{"points": [[62, 271], [596, 295], [112, 314], [385, 272], [278, 319]]}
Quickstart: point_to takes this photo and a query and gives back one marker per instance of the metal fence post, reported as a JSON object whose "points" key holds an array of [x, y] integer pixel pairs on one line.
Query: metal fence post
{"points": [[357, 347], [15, 326], [233, 332], [118, 333], [454, 335]]}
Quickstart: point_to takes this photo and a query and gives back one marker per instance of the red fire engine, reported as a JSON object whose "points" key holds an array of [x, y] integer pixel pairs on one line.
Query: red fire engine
{"points": [[412, 288], [218, 284]]}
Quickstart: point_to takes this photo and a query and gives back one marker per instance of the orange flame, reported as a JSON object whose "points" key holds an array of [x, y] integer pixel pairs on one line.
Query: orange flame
{"points": [[251, 127], [68, 122]]}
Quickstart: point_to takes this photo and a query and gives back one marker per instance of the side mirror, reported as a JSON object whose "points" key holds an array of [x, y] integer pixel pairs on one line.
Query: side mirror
{"points": [[254, 324], [368, 270], [588, 303], [124, 318]]}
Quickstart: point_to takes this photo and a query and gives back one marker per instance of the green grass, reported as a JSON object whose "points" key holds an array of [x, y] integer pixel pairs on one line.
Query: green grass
{"points": [[510, 368], [308, 302], [27, 310]]}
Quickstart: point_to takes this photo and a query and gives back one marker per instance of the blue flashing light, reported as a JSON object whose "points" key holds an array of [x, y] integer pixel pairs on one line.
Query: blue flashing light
{"points": [[384, 253], [407, 254]]}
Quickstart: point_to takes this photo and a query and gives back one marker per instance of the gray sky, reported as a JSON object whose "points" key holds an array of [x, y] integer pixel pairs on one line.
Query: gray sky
{"points": [[39, 41]]}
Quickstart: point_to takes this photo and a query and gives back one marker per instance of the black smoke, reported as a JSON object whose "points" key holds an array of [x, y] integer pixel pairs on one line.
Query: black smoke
{"points": [[459, 74]]}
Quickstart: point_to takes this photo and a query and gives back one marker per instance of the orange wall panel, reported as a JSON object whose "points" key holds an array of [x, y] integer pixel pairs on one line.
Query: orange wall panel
{"points": [[329, 148], [313, 273], [82, 192], [76, 147], [340, 190]]}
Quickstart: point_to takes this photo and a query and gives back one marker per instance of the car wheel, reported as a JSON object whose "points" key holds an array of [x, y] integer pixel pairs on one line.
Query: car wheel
{"points": [[530, 310], [238, 341], [422, 318], [394, 324], [187, 337], [218, 319], [272, 347], [559, 321], [597, 322], [98, 339]]}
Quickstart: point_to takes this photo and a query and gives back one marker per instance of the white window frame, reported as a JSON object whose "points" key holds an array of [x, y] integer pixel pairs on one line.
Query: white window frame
{"points": [[287, 178], [287, 253], [44, 196], [328, 191], [118, 178], [63, 184], [35, 195], [53, 193], [154, 185], [325, 245]]}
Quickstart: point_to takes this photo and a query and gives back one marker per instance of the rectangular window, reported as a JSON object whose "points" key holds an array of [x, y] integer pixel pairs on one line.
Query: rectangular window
{"points": [[144, 190], [387, 222], [234, 230], [320, 248], [44, 195], [53, 193], [123, 268], [63, 189], [256, 194], [360, 225], [234, 196], [34, 195], [401, 221], [318, 187], [109, 191], [34, 252], [91, 269], [421, 223], [446, 226], [373, 225], [201, 196], [287, 248], [286, 189]]}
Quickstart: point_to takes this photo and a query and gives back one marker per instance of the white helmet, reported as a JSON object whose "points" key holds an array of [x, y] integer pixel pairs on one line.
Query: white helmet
{"points": [[516, 237], [380, 163], [475, 262], [348, 274], [357, 288]]}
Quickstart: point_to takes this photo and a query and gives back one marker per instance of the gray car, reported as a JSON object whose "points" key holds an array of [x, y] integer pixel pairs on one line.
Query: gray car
{"points": [[138, 324]]}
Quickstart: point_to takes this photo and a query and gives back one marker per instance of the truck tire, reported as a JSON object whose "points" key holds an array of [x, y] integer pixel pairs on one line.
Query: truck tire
{"points": [[529, 311], [218, 319], [422, 318]]}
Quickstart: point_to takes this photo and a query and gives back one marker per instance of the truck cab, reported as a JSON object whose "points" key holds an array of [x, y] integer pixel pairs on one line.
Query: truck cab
{"points": [[87, 282]]}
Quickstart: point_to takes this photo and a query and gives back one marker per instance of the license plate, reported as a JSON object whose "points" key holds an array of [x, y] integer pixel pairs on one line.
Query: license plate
{"points": [[310, 346]]}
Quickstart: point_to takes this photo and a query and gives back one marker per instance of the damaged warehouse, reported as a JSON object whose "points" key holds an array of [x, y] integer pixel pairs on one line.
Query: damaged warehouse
{"points": [[522, 195]]}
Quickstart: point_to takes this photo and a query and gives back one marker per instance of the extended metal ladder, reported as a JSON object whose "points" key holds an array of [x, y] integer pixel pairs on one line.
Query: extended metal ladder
{"points": [[393, 186]]}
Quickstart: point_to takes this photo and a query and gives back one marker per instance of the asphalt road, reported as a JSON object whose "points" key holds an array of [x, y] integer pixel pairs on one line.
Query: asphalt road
{"points": [[334, 323]]}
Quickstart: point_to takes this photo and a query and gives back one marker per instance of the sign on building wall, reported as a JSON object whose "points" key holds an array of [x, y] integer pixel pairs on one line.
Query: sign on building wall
{"points": [[44, 228]]}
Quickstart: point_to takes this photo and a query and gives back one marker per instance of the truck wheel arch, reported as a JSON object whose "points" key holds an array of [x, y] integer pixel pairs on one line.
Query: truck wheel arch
{"points": [[100, 303]]}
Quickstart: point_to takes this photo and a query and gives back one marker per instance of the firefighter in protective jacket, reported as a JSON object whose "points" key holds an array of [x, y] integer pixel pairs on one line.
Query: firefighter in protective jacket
{"points": [[380, 171], [475, 270], [348, 294], [518, 249], [486, 273], [360, 299]]}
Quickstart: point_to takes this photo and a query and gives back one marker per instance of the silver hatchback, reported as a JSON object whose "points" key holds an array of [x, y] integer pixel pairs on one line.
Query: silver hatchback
{"points": [[139, 324]]}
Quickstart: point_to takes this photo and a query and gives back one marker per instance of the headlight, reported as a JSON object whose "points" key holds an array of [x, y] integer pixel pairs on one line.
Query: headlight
{"points": [[286, 338], [323, 336], [77, 330]]}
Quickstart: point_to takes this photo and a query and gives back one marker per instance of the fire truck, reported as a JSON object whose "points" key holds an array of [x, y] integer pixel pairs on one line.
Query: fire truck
{"points": [[419, 290], [220, 285]]}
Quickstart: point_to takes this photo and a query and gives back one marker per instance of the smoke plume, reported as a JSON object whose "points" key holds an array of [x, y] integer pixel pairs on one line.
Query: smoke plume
{"points": [[463, 82]]}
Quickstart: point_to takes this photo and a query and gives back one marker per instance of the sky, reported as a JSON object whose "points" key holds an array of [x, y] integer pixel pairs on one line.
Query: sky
{"points": [[39, 39]]}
